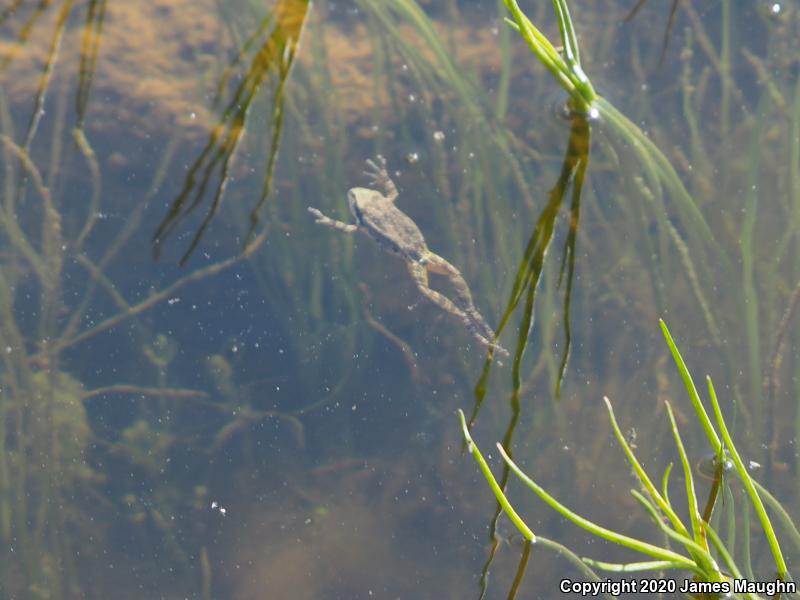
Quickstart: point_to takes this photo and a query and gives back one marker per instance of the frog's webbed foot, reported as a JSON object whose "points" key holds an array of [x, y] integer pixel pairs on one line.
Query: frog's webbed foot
{"points": [[380, 176], [332, 223]]}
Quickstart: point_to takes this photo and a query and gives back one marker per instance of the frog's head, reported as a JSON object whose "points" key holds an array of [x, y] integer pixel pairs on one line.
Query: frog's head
{"points": [[356, 198]]}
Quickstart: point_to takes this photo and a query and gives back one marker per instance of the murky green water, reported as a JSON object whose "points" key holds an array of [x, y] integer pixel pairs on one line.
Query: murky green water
{"points": [[204, 394]]}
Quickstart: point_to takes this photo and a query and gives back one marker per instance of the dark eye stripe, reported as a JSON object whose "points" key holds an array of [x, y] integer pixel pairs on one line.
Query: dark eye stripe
{"points": [[358, 215]]}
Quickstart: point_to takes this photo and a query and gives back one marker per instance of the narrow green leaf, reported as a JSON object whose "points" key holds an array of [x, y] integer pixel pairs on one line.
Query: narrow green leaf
{"points": [[703, 562], [597, 530], [568, 38], [472, 448], [665, 483], [637, 567], [691, 496], [642, 474], [766, 524], [699, 409]]}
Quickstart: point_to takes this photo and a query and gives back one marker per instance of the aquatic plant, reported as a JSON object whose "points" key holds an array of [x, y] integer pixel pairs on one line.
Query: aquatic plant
{"points": [[272, 56], [659, 174], [746, 245], [706, 557], [59, 289]]}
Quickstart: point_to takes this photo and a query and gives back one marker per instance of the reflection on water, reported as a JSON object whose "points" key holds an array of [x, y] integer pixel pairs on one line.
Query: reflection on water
{"points": [[291, 376]]}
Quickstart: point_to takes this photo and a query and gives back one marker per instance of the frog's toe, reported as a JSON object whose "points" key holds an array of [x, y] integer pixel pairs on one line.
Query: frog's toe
{"points": [[497, 347], [377, 170], [381, 161], [494, 346], [487, 342]]}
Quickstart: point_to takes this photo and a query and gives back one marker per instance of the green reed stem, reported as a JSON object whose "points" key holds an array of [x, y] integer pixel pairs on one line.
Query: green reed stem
{"points": [[691, 495], [642, 475], [691, 389], [766, 524], [727, 558], [567, 69], [473, 449], [675, 560]]}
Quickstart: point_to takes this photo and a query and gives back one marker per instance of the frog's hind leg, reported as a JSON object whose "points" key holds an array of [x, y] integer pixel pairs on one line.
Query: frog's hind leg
{"points": [[466, 312], [475, 322], [380, 176], [420, 275]]}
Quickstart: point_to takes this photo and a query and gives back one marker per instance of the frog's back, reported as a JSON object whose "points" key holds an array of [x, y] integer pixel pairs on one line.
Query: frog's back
{"points": [[391, 227]]}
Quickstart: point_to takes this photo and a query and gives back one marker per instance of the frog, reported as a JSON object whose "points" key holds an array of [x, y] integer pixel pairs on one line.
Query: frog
{"points": [[377, 216]]}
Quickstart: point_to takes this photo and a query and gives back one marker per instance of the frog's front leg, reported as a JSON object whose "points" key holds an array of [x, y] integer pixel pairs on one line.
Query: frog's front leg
{"points": [[380, 177], [332, 223]]}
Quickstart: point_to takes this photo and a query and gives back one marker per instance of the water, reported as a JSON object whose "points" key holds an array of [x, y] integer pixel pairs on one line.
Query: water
{"points": [[206, 395]]}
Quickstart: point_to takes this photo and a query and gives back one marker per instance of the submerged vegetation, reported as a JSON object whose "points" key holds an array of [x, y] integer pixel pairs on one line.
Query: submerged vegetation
{"points": [[708, 557], [63, 298], [296, 375], [705, 549]]}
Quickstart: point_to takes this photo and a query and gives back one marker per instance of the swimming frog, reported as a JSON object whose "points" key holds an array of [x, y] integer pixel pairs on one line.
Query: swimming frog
{"points": [[377, 216]]}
